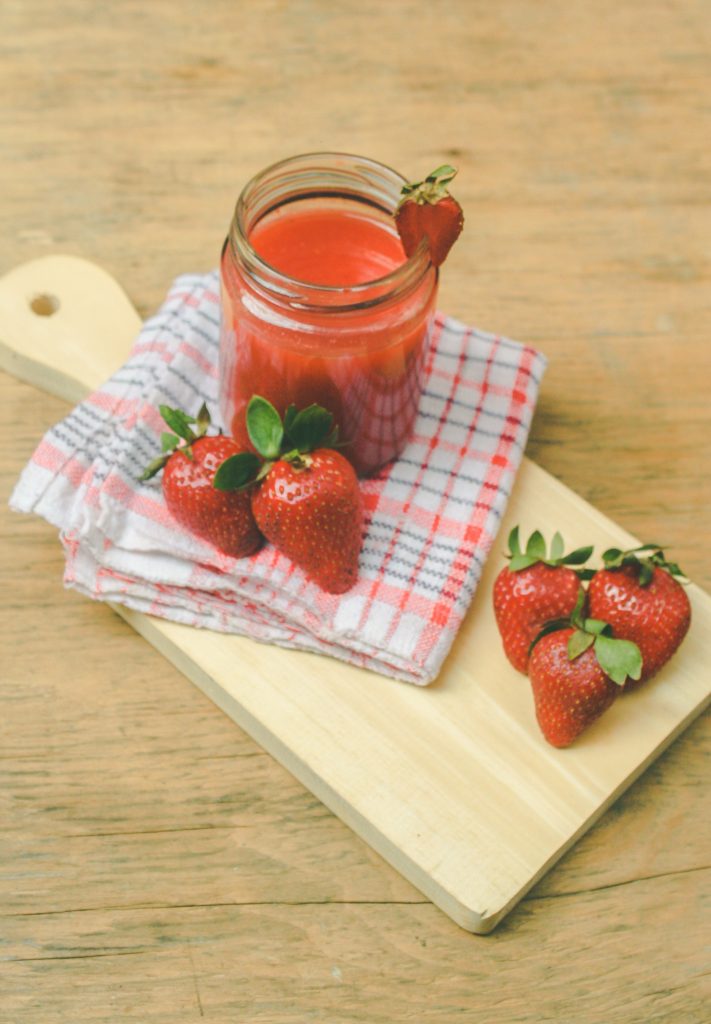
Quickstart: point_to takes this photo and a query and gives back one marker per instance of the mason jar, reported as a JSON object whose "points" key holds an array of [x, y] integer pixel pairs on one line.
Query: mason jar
{"points": [[320, 303]]}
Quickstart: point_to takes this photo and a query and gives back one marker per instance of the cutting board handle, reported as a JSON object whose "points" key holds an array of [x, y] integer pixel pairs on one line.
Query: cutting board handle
{"points": [[64, 325]]}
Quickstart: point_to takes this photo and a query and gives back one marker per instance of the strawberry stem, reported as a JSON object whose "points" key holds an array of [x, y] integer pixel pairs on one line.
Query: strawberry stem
{"points": [[432, 189], [181, 440], [619, 659], [300, 432], [644, 559]]}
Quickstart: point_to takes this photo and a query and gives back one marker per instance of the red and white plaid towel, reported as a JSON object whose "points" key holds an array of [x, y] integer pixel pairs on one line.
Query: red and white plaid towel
{"points": [[431, 516]]}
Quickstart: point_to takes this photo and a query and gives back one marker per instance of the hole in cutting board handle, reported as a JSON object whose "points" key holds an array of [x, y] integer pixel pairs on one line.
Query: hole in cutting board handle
{"points": [[44, 305]]}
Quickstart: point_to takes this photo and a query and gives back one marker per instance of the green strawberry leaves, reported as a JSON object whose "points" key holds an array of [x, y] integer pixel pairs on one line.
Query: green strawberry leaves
{"points": [[557, 546], [184, 435], [535, 551], [645, 559], [433, 188], [578, 557], [203, 420], [154, 467], [301, 431], [308, 429], [179, 421], [169, 442], [237, 472], [443, 174], [536, 547], [579, 642], [264, 427], [618, 658]]}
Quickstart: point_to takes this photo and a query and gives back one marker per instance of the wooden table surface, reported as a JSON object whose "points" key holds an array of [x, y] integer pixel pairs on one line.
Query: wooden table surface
{"points": [[156, 865]]}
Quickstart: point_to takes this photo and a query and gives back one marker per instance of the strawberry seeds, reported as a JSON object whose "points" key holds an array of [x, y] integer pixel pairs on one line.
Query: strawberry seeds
{"points": [[582, 648], [294, 489]]}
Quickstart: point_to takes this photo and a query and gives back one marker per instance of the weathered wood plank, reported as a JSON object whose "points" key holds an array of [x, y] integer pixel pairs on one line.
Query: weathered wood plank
{"points": [[272, 962], [580, 132]]}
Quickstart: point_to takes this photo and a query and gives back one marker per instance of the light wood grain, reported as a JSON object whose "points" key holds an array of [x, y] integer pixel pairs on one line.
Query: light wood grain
{"points": [[452, 784], [196, 949], [580, 133], [51, 308]]}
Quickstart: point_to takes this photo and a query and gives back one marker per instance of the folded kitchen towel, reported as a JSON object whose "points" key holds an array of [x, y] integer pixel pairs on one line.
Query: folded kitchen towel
{"points": [[431, 516]]}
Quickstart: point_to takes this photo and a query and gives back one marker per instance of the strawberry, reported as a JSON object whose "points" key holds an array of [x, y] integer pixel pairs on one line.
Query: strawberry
{"points": [[427, 210], [533, 589], [576, 673], [189, 462], [637, 594], [311, 509], [306, 499]]}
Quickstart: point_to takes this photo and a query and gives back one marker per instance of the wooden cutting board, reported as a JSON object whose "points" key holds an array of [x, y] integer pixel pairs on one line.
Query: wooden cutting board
{"points": [[452, 784]]}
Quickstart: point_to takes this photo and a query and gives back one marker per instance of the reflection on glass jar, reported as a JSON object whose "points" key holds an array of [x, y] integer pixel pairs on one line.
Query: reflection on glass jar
{"points": [[319, 303]]}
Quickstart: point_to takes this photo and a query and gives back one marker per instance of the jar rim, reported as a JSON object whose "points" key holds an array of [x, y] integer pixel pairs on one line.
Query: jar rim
{"points": [[407, 273]]}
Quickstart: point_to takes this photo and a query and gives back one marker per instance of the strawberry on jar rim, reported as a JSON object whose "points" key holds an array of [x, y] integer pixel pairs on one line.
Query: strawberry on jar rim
{"points": [[537, 586], [427, 211], [305, 497], [189, 463], [638, 592]]}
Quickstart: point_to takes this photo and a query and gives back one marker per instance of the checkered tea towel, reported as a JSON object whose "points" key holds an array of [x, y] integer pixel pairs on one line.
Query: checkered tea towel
{"points": [[431, 516]]}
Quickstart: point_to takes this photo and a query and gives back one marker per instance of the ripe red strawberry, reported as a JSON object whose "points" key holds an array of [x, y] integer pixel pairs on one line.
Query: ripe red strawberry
{"points": [[311, 509], [569, 695], [427, 210], [189, 464], [306, 500], [637, 594], [576, 673], [533, 590]]}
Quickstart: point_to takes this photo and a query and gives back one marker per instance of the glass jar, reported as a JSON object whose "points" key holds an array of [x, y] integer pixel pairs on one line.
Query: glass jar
{"points": [[320, 304]]}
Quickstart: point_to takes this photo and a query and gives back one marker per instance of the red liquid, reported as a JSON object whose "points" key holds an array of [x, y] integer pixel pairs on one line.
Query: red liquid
{"points": [[328, 247], [364, 365]]}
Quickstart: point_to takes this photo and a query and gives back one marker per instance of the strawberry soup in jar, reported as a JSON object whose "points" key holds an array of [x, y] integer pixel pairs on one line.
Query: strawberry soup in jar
{"points": [[320, 303]]}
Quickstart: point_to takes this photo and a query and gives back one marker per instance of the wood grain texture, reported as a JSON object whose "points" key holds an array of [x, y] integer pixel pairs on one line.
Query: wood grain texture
{"points": [[452, 784], [580, 135]]}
